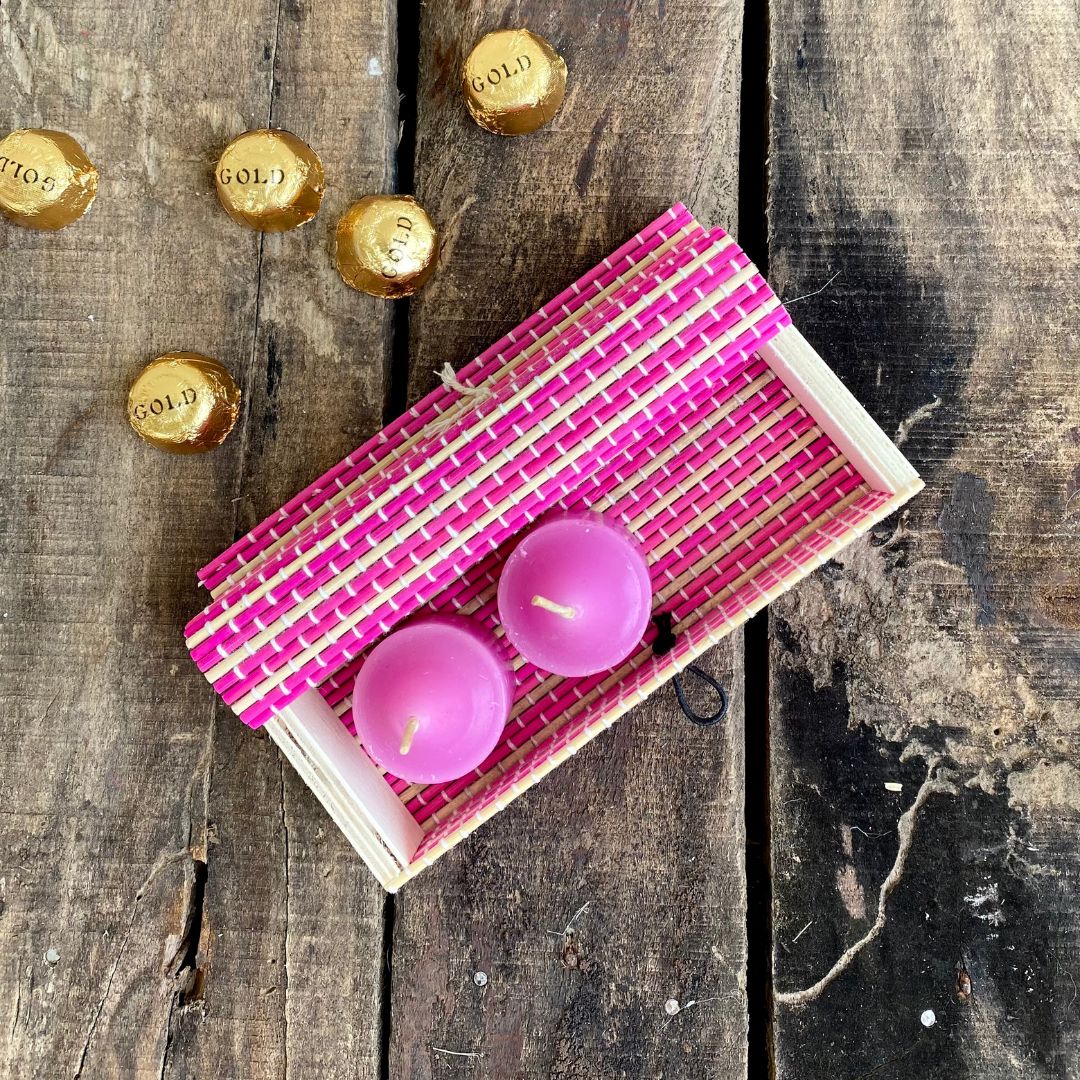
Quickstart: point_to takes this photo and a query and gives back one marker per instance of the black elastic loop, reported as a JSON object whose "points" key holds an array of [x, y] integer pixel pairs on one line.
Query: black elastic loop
{"points": [[665, 636], [695, 718], [664, 643]]}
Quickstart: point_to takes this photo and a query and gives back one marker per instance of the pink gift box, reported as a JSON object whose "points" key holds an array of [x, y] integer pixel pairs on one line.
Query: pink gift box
{"points": [[667, 388]]}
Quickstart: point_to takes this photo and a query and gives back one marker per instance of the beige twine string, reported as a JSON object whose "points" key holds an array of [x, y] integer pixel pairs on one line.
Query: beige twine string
{"points": [[473, 395]]}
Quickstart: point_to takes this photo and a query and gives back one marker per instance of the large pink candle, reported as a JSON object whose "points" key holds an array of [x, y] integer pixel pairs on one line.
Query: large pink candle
{"points": [[575, 596], [431, 701]]}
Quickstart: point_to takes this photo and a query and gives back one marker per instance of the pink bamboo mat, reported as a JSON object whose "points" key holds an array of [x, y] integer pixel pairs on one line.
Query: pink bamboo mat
{"points": [[639, 392], [405, 516], [390, 442]]}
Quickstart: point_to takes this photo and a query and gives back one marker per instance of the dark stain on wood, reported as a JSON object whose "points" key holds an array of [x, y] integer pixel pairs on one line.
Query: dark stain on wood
{"points": [[588, 158], [273, 365], [967, 914], [446, 62], [965, 521], [800, 55], [948, 635], [879, 317]]}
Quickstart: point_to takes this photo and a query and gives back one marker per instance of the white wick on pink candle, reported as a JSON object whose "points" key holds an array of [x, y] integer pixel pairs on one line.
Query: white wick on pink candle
{"points": [[408, 735], [563, 610]]}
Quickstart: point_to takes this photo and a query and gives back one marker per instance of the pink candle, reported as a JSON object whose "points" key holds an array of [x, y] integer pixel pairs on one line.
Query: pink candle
{"points": [[575, 597], [431, 701]]}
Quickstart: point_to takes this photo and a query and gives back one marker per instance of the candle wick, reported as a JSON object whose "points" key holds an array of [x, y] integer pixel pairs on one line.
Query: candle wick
{"points": [[563, 610], [408, 734]]}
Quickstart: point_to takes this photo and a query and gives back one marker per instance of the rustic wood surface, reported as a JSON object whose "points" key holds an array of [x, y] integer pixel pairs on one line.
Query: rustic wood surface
{"points": [[925, 155], [207, 919], [645, 825], [292, 925], [174, 903], [106, 748]]}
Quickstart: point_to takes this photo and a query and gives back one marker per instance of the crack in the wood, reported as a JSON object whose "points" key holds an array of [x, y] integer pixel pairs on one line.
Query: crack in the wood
{"points": [[18, 1006], [30, 995], [168, 1039], [203, 772], [385, 982], [182, 965], [754, 107], [397, 394], [754, 113], [934, 784], [245, 431], [194, 922], [273, 64], [249, 380], [285, 972], [396, 397], [159, 865], [588, 158], [758, 829], [154, 871]]}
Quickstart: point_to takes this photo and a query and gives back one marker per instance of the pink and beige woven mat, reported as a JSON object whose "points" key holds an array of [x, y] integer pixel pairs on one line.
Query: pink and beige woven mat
{"points": [[666, 388]]}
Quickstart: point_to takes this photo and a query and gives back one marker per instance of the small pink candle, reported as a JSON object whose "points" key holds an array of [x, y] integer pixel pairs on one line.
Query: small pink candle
{"points": [[431, 701], [575, 596]]}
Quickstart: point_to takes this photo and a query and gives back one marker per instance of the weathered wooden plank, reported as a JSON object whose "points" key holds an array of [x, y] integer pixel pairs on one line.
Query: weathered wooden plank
{"points": [[618, 883], [293, 974], [105, 748], [925, 156], [120, 782]]}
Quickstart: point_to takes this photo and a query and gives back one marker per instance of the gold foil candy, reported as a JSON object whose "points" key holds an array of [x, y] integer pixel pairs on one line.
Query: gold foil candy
{"points": [[513, 82], [270, 180], [386, 246], [184, 402], [46, 179]]}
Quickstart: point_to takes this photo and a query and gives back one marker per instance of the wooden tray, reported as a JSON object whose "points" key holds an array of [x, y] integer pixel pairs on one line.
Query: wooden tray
{"points": [[667, 388]]}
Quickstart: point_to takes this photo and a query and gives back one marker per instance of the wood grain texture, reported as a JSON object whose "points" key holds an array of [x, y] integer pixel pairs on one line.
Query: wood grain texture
{"points": [[173, 903], [208, 918], [926, 157], [645, 825], [105, 748], [283, 963]]}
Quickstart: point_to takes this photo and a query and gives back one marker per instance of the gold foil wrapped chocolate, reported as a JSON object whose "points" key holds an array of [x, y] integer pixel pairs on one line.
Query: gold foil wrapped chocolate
{"points": [[386, 246], [513, 82], [269, 180], [184, 402], [46, 179]]}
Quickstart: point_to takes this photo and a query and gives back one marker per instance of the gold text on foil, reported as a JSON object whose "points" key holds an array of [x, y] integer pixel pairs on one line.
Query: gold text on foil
{"points": [[27, 173], [497, 74], [251, 176], [156, 407], [399, 241]]}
